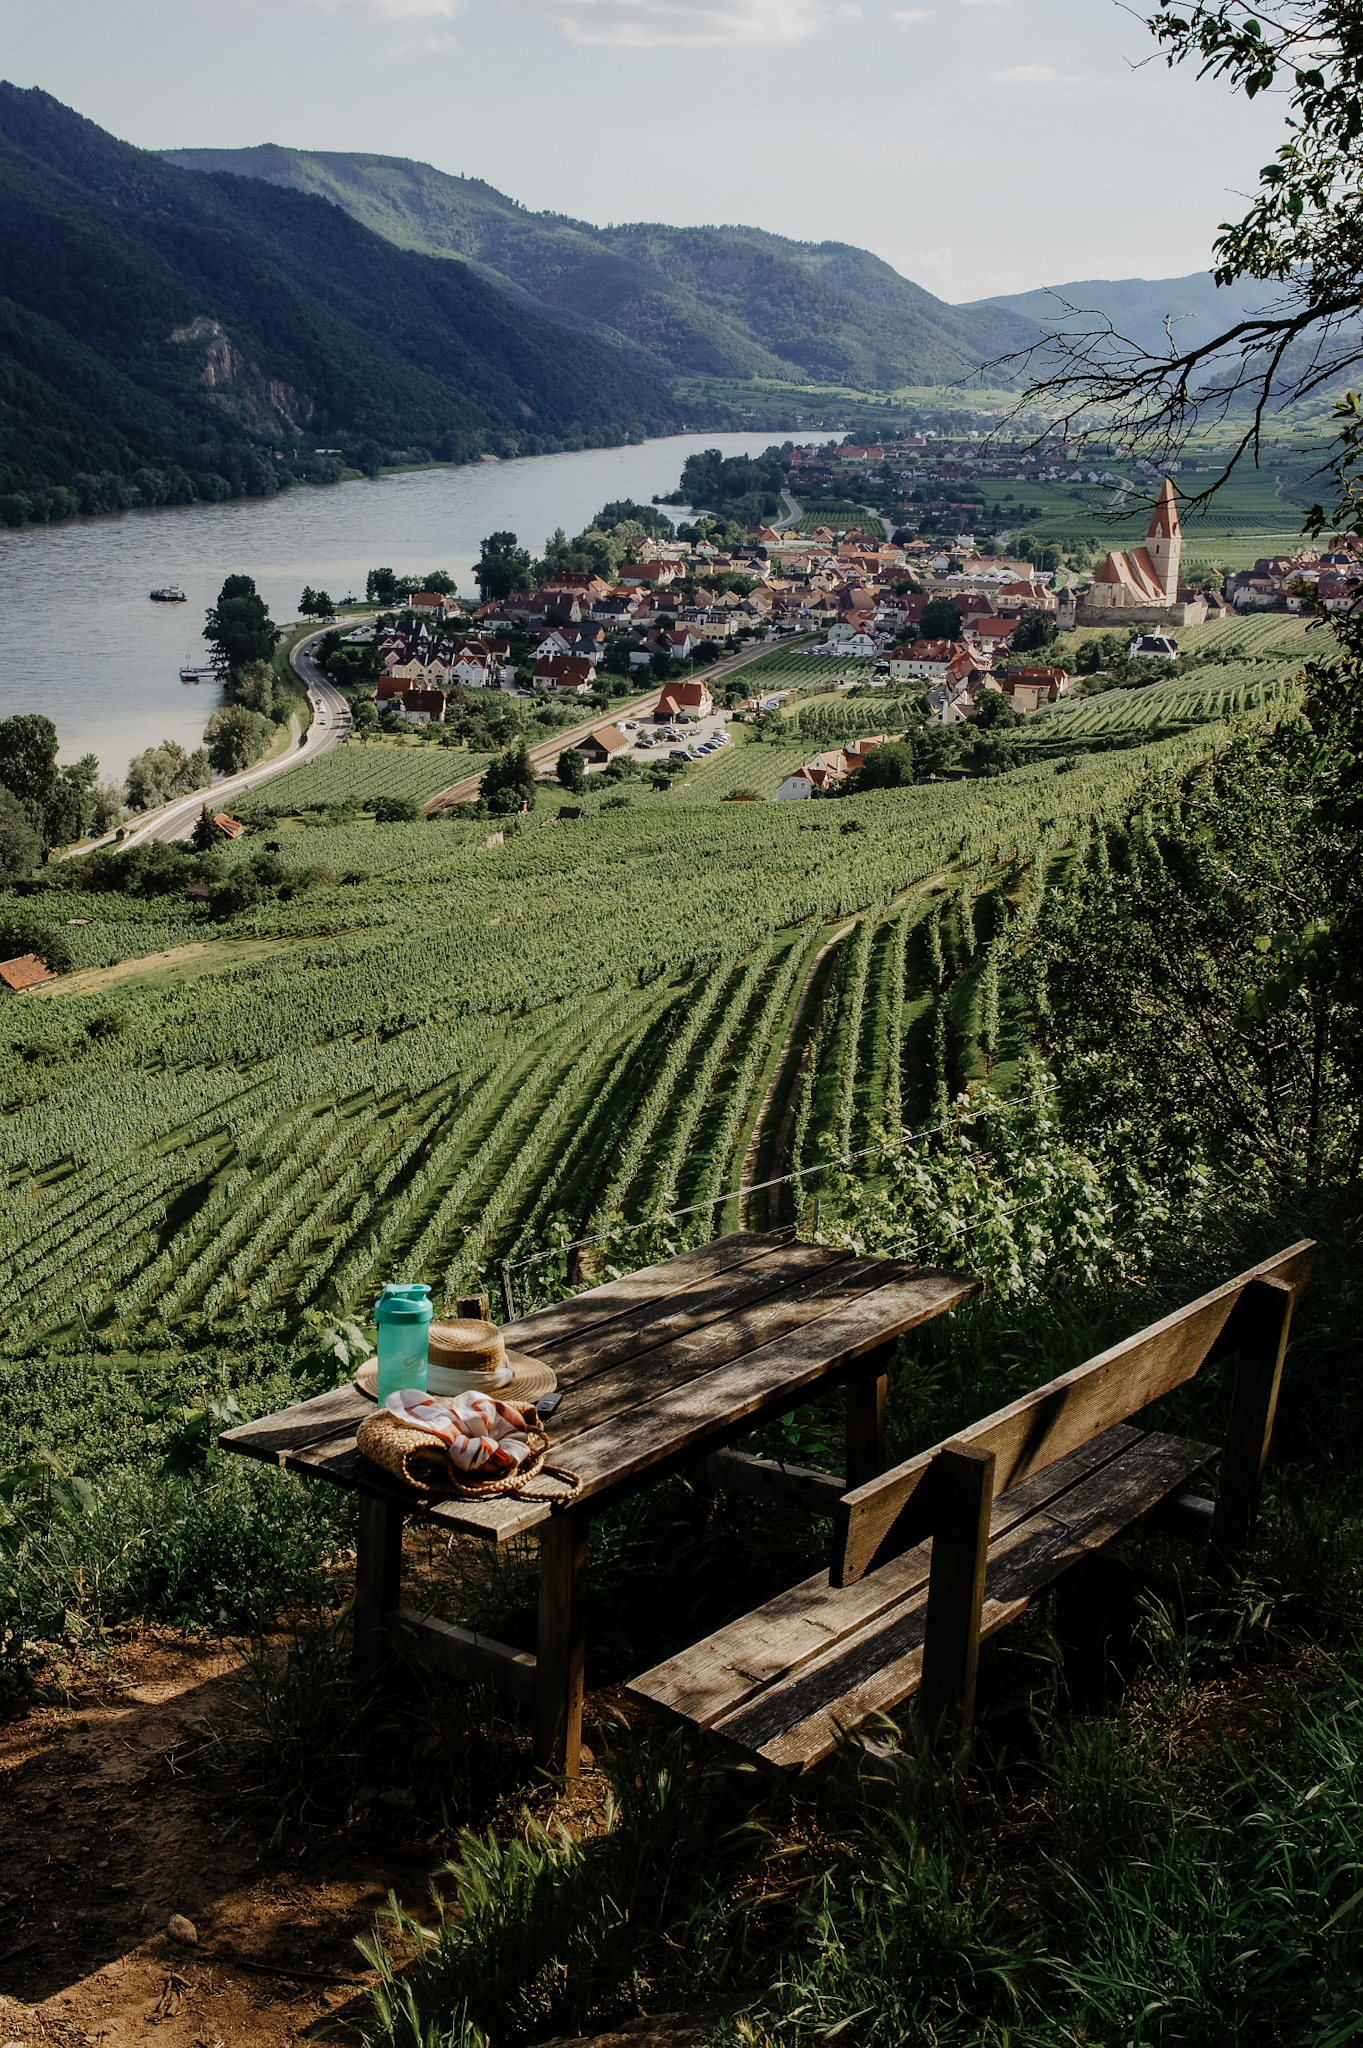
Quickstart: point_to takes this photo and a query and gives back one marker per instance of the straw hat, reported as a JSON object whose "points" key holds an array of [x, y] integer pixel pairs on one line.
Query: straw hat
{"points": [[471, 1357]]}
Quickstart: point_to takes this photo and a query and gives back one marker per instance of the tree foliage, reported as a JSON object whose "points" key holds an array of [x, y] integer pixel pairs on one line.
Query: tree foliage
{"points": [[1303, 232], [236, 737], [503, 565], [238, 627]]}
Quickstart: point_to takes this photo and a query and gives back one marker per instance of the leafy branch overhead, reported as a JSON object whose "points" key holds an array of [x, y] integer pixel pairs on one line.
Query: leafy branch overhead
{"points": [[1303, 234]]}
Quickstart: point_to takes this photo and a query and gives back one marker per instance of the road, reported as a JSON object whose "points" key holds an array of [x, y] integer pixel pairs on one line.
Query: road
{"points": [[545, 754], [330, 725]]}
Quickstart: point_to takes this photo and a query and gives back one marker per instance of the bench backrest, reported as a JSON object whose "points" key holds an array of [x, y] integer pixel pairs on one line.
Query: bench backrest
{"points": [[889, 1514]]}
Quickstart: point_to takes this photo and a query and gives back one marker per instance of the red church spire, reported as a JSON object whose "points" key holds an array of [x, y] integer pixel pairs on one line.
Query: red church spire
{"points": [[1164, 519]]}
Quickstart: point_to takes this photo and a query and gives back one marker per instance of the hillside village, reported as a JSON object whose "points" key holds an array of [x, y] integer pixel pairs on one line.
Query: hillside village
{"points": [[961, 618]]}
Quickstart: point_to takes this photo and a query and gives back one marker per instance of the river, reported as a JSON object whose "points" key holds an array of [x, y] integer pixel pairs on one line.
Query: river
{"points": [[81, 642]]}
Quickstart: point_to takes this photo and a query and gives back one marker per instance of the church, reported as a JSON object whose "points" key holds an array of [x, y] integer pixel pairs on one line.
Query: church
{"points": [[1140, 586]]}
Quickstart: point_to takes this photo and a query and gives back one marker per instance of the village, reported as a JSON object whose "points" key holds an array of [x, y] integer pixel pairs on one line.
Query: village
{"points": [[951, 623]]}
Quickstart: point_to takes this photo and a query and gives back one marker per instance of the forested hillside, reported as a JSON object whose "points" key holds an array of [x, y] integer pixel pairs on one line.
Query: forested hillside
{"points": [[165, 337], [720, 301]]}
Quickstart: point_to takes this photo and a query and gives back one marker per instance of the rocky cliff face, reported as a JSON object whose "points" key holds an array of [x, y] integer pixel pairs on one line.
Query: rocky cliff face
{"points": [[240, 385]]}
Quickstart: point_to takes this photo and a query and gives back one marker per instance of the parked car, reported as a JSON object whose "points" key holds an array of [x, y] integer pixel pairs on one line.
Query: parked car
{"points": [[631, 725]]}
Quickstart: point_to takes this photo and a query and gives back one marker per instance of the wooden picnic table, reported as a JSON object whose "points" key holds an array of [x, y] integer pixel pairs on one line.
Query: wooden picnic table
{"points": [[658, 1372]]}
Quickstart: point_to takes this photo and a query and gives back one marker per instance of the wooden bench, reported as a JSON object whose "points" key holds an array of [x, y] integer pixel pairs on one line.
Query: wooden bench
{"points": [[943, 1550]]}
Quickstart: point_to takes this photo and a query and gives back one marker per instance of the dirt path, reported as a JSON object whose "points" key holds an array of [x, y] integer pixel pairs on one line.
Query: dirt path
{"points": [[108, 1831], [89, 981]]}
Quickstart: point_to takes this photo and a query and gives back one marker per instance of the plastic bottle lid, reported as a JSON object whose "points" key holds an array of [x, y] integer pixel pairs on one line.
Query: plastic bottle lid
{"points": [[404, 1305]]}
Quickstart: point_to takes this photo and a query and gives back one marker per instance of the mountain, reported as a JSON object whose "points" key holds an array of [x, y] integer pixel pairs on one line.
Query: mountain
{"points": [[721, 301], [1139, 306], [165, 335]]}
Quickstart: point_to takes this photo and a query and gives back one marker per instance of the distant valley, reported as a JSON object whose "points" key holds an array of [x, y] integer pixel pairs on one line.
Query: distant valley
{"points": [[205, 324]]}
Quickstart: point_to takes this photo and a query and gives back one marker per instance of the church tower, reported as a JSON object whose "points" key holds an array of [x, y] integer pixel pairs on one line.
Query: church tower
{"points": [[1164, 542]]}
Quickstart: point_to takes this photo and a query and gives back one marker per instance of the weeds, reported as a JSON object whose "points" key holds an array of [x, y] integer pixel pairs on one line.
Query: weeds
{"points": [[549, 1933]]}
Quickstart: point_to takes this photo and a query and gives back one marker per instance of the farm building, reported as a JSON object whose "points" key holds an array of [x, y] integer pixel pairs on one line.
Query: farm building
{"points": [[27, 971], [603, 745]]}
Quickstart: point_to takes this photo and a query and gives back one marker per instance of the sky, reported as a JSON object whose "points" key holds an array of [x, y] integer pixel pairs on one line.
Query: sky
{"points": [[979, 146]]}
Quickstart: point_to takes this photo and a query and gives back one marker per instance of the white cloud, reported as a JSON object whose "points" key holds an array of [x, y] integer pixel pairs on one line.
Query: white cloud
{"points": [[424, 46], [1040, 74], [852, 13], [936, 260], [909, 17], [651, 24], [392, 10]]}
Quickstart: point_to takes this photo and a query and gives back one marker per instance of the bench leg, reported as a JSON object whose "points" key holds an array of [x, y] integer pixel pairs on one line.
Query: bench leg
{"points": [[560, 1652], [1265, 1308], [378, 1574], [963, 1482], [867, 1412]]}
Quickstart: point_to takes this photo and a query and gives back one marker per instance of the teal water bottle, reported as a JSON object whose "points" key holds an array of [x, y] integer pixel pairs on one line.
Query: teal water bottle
{"points": [[403, 1318]]}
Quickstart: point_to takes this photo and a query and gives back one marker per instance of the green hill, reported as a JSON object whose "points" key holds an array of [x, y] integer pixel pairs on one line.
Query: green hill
{"points": [[715, 301], [165, 336], [1139, 306]]}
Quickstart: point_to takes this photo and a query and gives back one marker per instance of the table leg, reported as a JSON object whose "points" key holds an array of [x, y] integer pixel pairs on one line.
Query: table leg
{"points": [[560, 1649], [378, 1573], [867, 1409]]}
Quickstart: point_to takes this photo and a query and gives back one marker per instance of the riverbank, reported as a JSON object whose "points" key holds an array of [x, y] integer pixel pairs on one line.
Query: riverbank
{"points": [[106, 670]]}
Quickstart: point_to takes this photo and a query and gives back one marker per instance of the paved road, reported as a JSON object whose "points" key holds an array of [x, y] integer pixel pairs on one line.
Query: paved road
{"points": [[545, 754], [330, 725]]}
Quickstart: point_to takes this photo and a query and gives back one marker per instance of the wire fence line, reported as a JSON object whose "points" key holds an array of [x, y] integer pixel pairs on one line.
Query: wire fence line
{"points": [[506, 1267]]}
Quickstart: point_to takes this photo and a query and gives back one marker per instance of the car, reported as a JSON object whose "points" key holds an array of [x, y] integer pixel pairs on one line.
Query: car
{"points": [[631, 725], [679, 754]]}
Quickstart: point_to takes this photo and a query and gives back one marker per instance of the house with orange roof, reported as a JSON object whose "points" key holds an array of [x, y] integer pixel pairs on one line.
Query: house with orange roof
{"points": [[683, 700], [25, 971], [1027, 689]]}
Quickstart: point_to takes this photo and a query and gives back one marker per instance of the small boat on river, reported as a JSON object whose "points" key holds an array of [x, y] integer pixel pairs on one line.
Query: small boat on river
{"points": [[169, 593], [190, 674]]}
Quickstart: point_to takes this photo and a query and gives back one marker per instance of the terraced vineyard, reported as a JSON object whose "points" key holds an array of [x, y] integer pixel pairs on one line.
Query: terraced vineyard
{"points": [[1185, 701], [475, 1051]]}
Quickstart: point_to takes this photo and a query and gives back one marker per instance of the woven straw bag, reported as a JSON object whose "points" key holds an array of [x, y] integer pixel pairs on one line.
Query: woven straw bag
{"points": [[419, 1459]]}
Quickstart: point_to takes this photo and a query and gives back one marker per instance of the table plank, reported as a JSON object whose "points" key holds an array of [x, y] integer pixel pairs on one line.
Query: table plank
{"points": [[565, 1319], [706, 1301], [273, 1437], [644, 1378], [695, 1418]]}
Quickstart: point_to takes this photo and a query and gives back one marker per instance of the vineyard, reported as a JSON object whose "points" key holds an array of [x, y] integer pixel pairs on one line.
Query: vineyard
{"points": [[840, 515], [360, 771], [1223, 692], [468, 1051]]}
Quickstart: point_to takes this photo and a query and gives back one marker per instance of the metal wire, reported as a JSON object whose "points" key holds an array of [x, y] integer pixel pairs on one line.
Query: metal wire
{"points": [[508, 1266]]}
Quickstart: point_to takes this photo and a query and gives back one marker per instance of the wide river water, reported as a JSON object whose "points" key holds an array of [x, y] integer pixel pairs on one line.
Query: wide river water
{"points": [[81, 641]]}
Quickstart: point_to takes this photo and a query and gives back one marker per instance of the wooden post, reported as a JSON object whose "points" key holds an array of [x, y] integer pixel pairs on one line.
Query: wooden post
{"points": [[1263, 1317], [472, 1308], [562, 1640], [378, 1574], [867, 1410], [963, 1494]]}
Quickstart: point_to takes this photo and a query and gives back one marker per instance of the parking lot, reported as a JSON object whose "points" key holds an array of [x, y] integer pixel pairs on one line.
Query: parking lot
{"points": [[650, 742]]}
